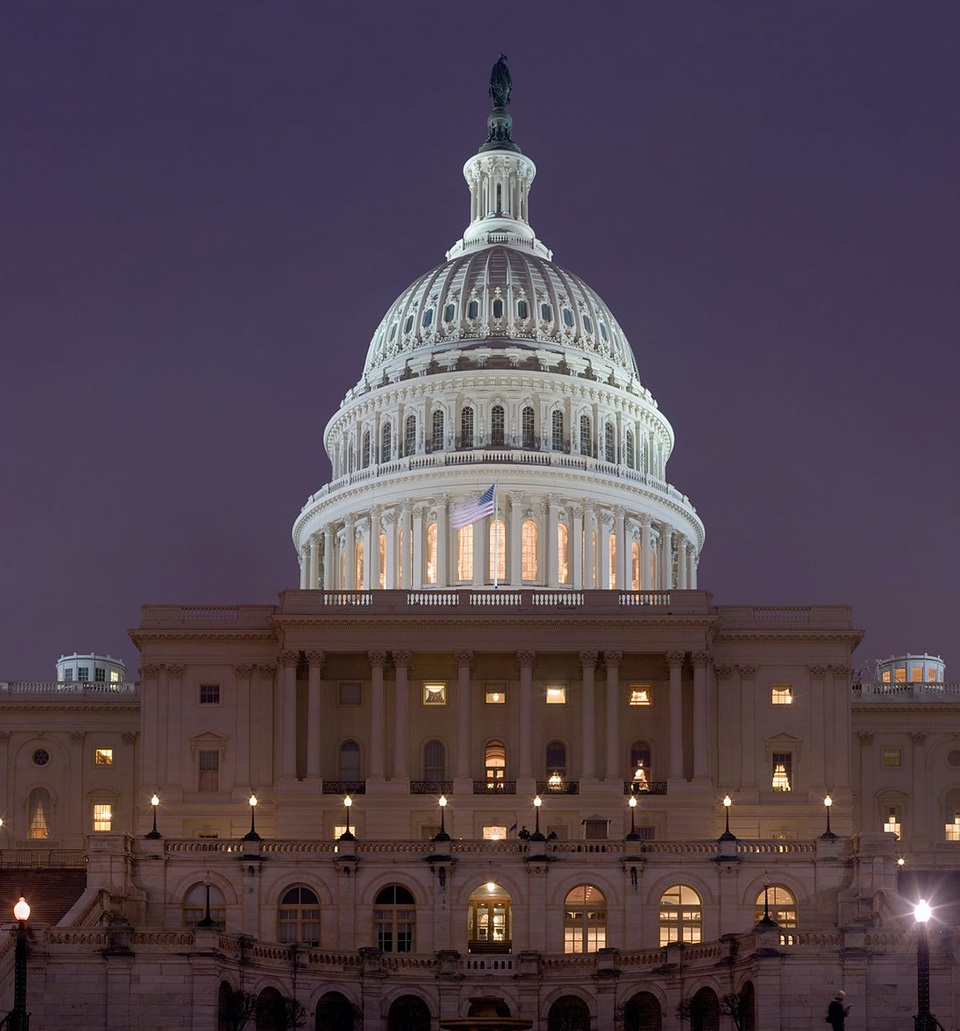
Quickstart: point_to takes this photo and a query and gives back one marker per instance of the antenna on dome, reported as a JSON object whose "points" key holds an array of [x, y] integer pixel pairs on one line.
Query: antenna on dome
{"points": [[500, 122]]}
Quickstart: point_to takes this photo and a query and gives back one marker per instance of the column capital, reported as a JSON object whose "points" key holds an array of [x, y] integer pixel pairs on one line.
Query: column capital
{"points": [[389, 517], [865, 738], [612, 658], [289, 658], [378, 659], [175, 671], [918, 737], [577, 511], [516, 497], [588, 659], [526, 658], [401, 659], [244, 670], [268, 669], [553, 500], [464, 658], [843, 671], [76, 736], [130, 736], [725, 672], [748, 672], [315, 658], [675, 658], [817, 671], [699, 659], [150, 671], [645, 521]]}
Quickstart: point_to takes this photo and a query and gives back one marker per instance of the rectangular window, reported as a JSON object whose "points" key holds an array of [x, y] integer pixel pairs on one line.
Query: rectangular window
{"points": [[465, 553], [350, 692], [114, 677], [900, 676], [209, 694], [102, 816], [103, 757], [100, 675], [891, 825], [951, 831], [931, 676], [495, 694], [556, 694], [891, 757], [641, 694], [494, 833], [68, 676], [434, 694], [209, 765], [83, 673], [781, 694], [916, 674], [886, 676], [782, 771]]}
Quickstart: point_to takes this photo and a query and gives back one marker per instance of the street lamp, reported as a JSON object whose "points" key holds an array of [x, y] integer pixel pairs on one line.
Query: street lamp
{"points": [[924, 1020], [347, 836], [19, 1018], [251, 834], [633, 835], [537, 836], [766, 922], [828, 834], [727, 835], [442, 836], [154, 802]]}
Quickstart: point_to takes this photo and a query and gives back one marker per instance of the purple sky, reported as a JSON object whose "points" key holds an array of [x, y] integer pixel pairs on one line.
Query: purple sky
{"points": [[207, 207]]}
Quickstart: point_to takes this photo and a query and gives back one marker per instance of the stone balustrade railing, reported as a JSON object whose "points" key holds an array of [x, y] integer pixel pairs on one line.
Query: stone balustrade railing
{"points": [[917, 691], [61, 690]]}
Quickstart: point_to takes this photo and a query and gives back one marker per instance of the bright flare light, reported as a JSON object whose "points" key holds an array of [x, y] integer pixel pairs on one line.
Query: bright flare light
{"points": [[155, 800], [22, 910], [727, 801], [921, 911], [253, 800]]}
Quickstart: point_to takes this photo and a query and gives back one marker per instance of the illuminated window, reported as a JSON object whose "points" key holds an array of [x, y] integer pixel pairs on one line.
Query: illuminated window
{"points": [[596, 559], [584, 920], [635, 566], [488, 919], [350, 693], [527, 426], [209, 694], [781, 903], [410, 435], [563, 553], [103, 757], [495, 765], [932, 676], [208, 764], [916, 674], [434, 762], [901, 676], [528, 545], [681, 914], [556, 695], [556, 430], [465, 552], [951, 830], [891, 825], [39, 813], [432, 553], [641, 694], [613, 560], [498, 550], [394, 919], [495, 694], [195, 905], [886, 676], [640, 765], [298, 917], [359, 565], [115, 676], [782, 771], [383, 561], [891, 757], [497, 426], [102, 816], [556, 764], [781, 694], [434, 694], [437, 442], [494, 833], [466, 427]]}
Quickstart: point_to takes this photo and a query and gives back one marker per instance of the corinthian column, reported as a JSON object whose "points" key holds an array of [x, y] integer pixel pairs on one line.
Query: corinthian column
{"points": [[288, 755], [675, 663], [525, 658], [700, 720], [588, 663], [612, 660], [315, 664], [401, 737], [644, 553], [464, 658], [377, 662]]}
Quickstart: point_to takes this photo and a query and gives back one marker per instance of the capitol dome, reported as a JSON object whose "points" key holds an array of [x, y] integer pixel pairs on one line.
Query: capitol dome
{"points": [[498, 376]]}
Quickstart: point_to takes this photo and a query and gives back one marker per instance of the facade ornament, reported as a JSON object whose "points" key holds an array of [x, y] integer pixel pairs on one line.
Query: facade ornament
{"points": [[150, 671], [725, 672], [526, 658], [130, 736], [175, 671], [699, 659], [918, 737], [464, 658], [4, 736], [675, 658], [748, 672], [817, 671], [267, 669], [315, 658], [289, 658], [401, 659], [612, 658], [588, 659], [244, 671], [865, 739], [76, 736], [378, 659]]}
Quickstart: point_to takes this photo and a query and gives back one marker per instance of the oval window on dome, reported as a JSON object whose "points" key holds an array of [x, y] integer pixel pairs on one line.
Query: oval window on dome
{"points": [[393, 332], [587, 324], [427, 318], [568, 318], [473, 310], [523, 310], [603, 331], [449, 312], [408, 325], [546, 312], [498, 309]]}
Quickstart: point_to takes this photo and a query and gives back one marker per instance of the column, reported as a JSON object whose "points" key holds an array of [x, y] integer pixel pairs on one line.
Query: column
{"points": [[416, 548], [150, 699], [480, 540], [576, 547], [589, 529], [838, 762], [692, 568], [371, 572], [464, 658], [728, 747], [304, 569], [288, 753], [390, 553], [605, 524], [375, 768], [163, 735], [588, 714], [747, 725], [701, 764], [645, 553], [174, 731], [329, 560], [553, 552], [675, 662], [612, 660], [514, 551], [313, 581], [350, 555], [265, 713], [406, 546], [525, 658], [666, 557], [401, 745], [315, 665], [243, 673], [682, 563], [624, 572], [443, 541], [821, 716]]}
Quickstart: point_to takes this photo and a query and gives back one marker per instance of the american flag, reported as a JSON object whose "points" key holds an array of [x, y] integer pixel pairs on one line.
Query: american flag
{"points": [[468, 512]]}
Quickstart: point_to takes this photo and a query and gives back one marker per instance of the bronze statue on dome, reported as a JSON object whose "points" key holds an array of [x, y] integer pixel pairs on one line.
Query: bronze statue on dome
{"points": [[500, 83]]}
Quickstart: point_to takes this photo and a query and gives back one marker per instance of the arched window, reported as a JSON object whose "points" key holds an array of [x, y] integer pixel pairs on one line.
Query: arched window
{"points": [[527, 427], [497, 426], [498, 303], [434, 762], [466, 427], [635, 565], [410, 435], [498, 550], [563, 553], [270, 1013], [640, 767], [613, 560], [195, 905], [569, 1013], [386, 442], [432, 553], [394, 919], [465, 552], [349, 764], [609, 443], [630, 456], [556, 759], [39, 814], [408, 1013], [586, 444], [528, 550], [365, 450], [705, 1011], [383, 561], [781, 904], [437, 442], [488, 919], [360, 565], [298, 917], [556, 430], [681, 915], [334, 1013], [584, 920], [495, 765]]}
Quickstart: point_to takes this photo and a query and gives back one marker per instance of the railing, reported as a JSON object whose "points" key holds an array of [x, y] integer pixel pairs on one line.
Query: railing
{"points": [[430, 787], [916, 691], [42, 858], [494, 787], [565, 787], [70, 689], [650, 787], [344, 787]]}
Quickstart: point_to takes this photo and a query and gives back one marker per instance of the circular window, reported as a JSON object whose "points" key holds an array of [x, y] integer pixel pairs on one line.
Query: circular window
{"points": [[41, 757], [953, 757]]}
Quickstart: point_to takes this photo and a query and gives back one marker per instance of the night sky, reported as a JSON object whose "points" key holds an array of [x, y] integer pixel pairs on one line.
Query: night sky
{"points": [[206, 208]]}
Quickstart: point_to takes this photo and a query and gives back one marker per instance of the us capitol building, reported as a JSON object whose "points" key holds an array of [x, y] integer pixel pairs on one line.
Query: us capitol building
{"points": [[499, 744]]}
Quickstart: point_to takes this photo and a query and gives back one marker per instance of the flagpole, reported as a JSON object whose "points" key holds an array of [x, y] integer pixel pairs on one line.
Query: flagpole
{"points": [[496, 535]]}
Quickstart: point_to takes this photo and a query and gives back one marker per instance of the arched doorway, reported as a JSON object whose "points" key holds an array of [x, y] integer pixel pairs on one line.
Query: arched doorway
{"points": [[642, 1013], [568, 1013], [748, 1006], [271, 1011], [705, 1011], [408, 1013], [334, 1013], [488, 919]]}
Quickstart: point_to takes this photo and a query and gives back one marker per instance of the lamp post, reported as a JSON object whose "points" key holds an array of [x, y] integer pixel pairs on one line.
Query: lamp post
{"points": [[537, 836], [207, 920], [19, 1018], [924, 1020], [727, 834], [633, 836], [347, 836], [154, 802], [828, 834], [251, 834], [442, 836], [766, 922]]}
